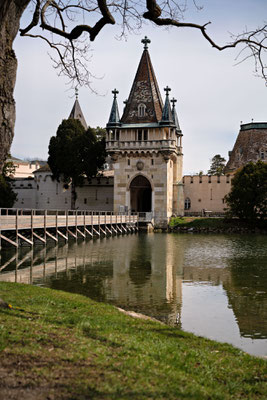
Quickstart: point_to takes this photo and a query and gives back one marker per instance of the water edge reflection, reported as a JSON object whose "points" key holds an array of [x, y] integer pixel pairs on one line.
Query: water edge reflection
{"points": [[212, 285]]}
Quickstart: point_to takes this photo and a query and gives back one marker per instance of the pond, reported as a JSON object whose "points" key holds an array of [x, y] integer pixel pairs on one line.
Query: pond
{"points": [[212, 285]]}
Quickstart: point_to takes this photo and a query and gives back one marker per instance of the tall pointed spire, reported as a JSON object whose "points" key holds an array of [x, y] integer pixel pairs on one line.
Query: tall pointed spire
{"points": [[167, 117], [114, 118], [144, 104], [174, 114], [76, 112]]}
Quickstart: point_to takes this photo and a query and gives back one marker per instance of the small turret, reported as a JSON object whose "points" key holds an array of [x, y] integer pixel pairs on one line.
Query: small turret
{"points": [[167, 116], [174, 115], [76, 112], [114, 118]]}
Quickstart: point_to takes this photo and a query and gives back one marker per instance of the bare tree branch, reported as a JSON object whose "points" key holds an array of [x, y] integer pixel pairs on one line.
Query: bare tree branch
{"points": [[130, 16]]}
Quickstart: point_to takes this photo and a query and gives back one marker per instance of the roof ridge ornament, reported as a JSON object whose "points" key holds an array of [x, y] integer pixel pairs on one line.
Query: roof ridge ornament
{"points": [[145, 42], [173, 101], [167, 90], [115, 92], [76, 93]]}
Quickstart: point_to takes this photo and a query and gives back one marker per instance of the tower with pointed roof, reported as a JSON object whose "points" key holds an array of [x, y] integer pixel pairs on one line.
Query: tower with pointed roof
{"points": [[145, 145], [76, 112]]}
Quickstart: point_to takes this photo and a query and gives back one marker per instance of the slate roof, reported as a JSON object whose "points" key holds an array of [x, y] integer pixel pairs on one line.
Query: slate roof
{"points": [[76, 113], [145, 91], [167, 116], [114, 118], [175, 118]]}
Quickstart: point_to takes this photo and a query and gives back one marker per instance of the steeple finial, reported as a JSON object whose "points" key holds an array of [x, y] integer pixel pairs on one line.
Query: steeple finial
{"points": [[145, 41], [173, 101], [114, 118], [167, 90], [76, 93], [115, 92]]}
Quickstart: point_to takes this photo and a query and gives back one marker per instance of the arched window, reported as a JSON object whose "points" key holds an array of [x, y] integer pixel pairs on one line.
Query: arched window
{"points": [[187, 204], [141, 110]]}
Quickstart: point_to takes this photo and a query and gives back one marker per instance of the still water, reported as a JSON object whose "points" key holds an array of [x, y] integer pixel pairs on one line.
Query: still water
{"points": [[212, 285]]}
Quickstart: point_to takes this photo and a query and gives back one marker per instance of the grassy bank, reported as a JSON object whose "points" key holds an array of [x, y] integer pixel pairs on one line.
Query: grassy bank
{"points": [[215, 224], [55, 345]]}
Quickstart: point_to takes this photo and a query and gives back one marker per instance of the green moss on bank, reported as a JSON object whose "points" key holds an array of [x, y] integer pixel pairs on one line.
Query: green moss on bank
{"points": [[65, 346], [216, 224], [199, 222]]}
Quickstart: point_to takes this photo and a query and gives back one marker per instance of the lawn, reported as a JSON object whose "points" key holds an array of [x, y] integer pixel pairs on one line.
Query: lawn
{"points": [[57, 345]]}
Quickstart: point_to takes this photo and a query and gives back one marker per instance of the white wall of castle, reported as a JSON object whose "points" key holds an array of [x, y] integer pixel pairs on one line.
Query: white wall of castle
{"points": [[43, 192], [206, 192]]}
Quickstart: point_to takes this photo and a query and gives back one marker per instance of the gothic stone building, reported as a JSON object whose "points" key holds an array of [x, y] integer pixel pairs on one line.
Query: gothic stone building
{"points": [[145, 146], [145, 149]]}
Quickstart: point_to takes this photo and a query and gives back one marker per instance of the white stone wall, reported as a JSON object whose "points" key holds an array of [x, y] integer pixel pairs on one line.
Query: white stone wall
{"points": [[206, 192], [45, 193], [26, 192]]}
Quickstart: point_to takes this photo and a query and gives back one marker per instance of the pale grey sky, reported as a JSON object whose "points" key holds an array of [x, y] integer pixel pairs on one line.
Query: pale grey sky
{"points": [[213, 94]]}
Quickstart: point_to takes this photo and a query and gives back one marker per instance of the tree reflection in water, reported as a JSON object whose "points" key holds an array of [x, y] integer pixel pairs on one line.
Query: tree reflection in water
{"points": [[149, 273]]}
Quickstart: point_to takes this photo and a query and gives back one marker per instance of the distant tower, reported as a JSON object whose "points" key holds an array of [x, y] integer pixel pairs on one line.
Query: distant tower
{"points": [[76, 112], [145, 145], [250, 145]]}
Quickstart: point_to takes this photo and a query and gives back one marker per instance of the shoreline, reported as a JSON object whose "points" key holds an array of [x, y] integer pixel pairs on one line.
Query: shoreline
{"points": [[60, 345], [214, 225]]}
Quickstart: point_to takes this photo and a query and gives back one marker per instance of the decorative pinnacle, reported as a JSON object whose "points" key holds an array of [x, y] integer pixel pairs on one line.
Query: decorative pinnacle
{"points": [[173, 101], [167, 90], [76, 93], [115, 92], [125, 101], [145, 41]]}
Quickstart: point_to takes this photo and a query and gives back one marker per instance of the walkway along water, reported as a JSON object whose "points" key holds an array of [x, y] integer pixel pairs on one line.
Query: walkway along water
{"points": [[31, 226]]}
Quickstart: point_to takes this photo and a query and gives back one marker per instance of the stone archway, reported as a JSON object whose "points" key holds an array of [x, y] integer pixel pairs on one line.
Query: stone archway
{"points": [[141, 194]]}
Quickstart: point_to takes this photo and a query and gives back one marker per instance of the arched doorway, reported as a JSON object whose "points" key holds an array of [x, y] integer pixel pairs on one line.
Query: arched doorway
{"points": [[141, 194]]}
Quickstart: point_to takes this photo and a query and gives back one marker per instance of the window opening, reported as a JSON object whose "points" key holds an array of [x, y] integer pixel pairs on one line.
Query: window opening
{"points": [[141, 110], [145, 134], [187, 204]]}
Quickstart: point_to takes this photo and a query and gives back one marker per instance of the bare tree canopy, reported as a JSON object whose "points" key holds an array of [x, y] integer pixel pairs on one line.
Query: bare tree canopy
{"points": [[71, 22], [65, 26]]}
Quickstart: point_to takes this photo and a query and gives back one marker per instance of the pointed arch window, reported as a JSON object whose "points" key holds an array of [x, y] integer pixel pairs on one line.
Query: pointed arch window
{"points": [[141, 110]]}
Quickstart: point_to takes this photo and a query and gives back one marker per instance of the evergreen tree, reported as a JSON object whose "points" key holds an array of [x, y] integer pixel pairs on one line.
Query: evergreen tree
{"points": [[248, 196], [217, 166], [75, 154]]}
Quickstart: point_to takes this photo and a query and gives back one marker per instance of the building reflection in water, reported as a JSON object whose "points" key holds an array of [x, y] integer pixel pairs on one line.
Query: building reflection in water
{"points": [[147, 273]]}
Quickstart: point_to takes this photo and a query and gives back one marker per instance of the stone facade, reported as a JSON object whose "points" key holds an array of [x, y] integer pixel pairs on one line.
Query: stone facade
{"points": [[145, 146], [250, 145], [206, 193], [43, 192], [24, 169]]}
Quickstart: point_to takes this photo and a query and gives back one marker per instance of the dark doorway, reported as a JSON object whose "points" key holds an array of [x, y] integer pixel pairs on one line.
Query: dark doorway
{"points": [[141, 193]]}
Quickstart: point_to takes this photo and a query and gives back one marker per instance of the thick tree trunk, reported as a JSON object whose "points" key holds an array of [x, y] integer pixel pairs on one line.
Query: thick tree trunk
{"points": [[10, 14]]}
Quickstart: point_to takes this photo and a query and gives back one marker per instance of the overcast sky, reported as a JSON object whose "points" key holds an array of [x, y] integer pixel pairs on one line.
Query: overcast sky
{"points": [[213, 94]]}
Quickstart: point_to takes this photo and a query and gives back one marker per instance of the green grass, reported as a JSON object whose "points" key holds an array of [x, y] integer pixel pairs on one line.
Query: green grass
{"points": [[65, 346], [199, 222]]}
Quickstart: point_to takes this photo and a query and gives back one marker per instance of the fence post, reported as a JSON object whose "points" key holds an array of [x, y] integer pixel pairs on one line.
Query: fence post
{"points": [[76, 224], [56, 223], [45, 212], [67, 214], [32, 226], [17, 239]]}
